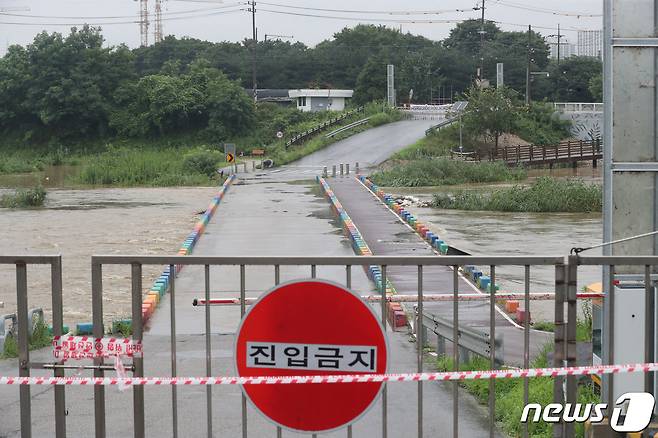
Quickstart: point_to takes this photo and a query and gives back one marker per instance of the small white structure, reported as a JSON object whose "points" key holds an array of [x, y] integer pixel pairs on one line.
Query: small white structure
{"points": [[320, 100]]}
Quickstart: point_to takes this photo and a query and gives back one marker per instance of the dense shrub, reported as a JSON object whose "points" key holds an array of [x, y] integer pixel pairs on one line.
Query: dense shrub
{"points": [[445, 172], [34, 197], [544, 195], [202, 161]]}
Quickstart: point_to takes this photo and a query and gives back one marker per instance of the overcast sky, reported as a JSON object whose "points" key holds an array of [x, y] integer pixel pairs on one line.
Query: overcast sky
{"points": [[216, 21]]}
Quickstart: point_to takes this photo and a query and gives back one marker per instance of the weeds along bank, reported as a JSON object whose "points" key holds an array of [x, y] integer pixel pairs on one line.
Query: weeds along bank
{"points": [[181, 160], [541, 196], [444, 171]]}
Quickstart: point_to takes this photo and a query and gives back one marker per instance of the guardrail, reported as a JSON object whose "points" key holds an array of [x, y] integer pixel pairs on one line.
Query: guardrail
{"points": [[323, 125], [443, 124], [468, 339], [348, 127]]}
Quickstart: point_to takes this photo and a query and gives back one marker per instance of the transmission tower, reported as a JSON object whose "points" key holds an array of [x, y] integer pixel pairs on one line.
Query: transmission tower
{"points": [[144, 22], [158, 21]]}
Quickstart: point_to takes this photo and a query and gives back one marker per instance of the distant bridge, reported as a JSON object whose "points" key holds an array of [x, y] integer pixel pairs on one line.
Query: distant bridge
{"points": [[565, 152]]}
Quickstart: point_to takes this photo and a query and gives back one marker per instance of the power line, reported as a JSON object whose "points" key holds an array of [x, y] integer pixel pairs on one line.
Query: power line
{"points": [[347, 11], [116, 17], [546, 11], [110, 23], [366, 19]]}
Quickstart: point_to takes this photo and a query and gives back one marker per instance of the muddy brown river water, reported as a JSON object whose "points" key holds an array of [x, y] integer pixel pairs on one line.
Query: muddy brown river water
{"points": [[80, 223], [507, 234]]}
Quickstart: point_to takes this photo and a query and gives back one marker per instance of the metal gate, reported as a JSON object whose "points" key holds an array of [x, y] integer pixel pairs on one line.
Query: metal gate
{"points": [[450, 270]]}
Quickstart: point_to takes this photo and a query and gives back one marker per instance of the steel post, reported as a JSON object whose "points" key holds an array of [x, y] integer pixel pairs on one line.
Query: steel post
{"points": [[138, 361], [58, 324], [97, 317], [23, 349]]}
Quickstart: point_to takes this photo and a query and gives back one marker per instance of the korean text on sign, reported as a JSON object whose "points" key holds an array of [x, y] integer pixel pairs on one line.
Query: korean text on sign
{"points": [[316, 357], [83, 347]]}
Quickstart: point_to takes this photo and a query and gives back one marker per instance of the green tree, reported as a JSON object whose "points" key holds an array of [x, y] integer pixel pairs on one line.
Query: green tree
{"points": [[571, 79], [595, 87], [371, 82], [490, 113]]}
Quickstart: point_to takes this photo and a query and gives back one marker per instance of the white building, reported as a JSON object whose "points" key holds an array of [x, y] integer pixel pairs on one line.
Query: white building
{"points": [[566, 48], [590, 43], [320, 100]]}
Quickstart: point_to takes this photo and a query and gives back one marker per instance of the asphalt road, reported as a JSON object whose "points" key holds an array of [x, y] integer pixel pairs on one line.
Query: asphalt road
{"points": [[368, 148]]}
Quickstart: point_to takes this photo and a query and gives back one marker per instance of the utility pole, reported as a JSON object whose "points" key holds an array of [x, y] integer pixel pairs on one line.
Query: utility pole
{"points": [[559, 73], [254, 43], [559, 37], [482, 44], [157, 34], [144, 22], [527, 76]]}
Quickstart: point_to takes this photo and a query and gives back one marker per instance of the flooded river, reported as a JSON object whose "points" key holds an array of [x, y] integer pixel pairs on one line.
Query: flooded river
{"points": [[507, 234], [80, 223]]}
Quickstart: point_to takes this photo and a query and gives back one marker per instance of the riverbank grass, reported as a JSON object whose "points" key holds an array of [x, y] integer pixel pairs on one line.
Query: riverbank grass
{"points": [[542, 196], [151, 167], [24, 198], [40, 338], [437, 172], [509, 395]]}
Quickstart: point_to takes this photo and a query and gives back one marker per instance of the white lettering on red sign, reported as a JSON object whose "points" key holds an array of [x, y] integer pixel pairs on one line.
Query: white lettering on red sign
{"points": [[318, 357], [83, 347]]}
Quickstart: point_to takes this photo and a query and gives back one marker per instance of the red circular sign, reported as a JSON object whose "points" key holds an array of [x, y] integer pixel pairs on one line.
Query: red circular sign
{"points": [[311, 328]]}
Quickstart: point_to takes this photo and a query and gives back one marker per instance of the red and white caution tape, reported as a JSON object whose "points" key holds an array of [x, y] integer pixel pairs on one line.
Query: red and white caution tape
{"points": [[87, 347], [352, 378], [414, 298]]}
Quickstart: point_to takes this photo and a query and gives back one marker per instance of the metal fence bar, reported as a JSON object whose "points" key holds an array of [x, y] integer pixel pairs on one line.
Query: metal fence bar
{"points": [[572, 320], [526, 345], [23, 348], [385, 388], [208, 355], [353, 260], [138, 361], [277, 280], [348, 283], [492, 363], [558, 354], [58, 324], [172, 329], [455, 351], [609, 321], [649, 313], [97, 317], [242, 312], [313, 275], [420, 342]]}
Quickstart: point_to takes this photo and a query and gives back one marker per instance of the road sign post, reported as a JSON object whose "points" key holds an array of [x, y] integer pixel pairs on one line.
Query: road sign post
{"points": [[230, 154], [330, 331]]}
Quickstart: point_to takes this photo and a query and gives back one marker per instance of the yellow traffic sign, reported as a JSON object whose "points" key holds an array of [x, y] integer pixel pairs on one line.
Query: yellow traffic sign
{"points": [[230, 158]]}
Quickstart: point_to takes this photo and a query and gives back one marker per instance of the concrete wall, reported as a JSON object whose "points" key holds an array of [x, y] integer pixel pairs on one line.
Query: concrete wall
{"points": [[585, 125], [317, 104]]}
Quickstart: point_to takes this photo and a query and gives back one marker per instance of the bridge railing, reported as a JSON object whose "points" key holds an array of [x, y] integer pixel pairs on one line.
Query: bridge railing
{"points": [[562, 152], [322, 126], [567, 107], [285, 268]]}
